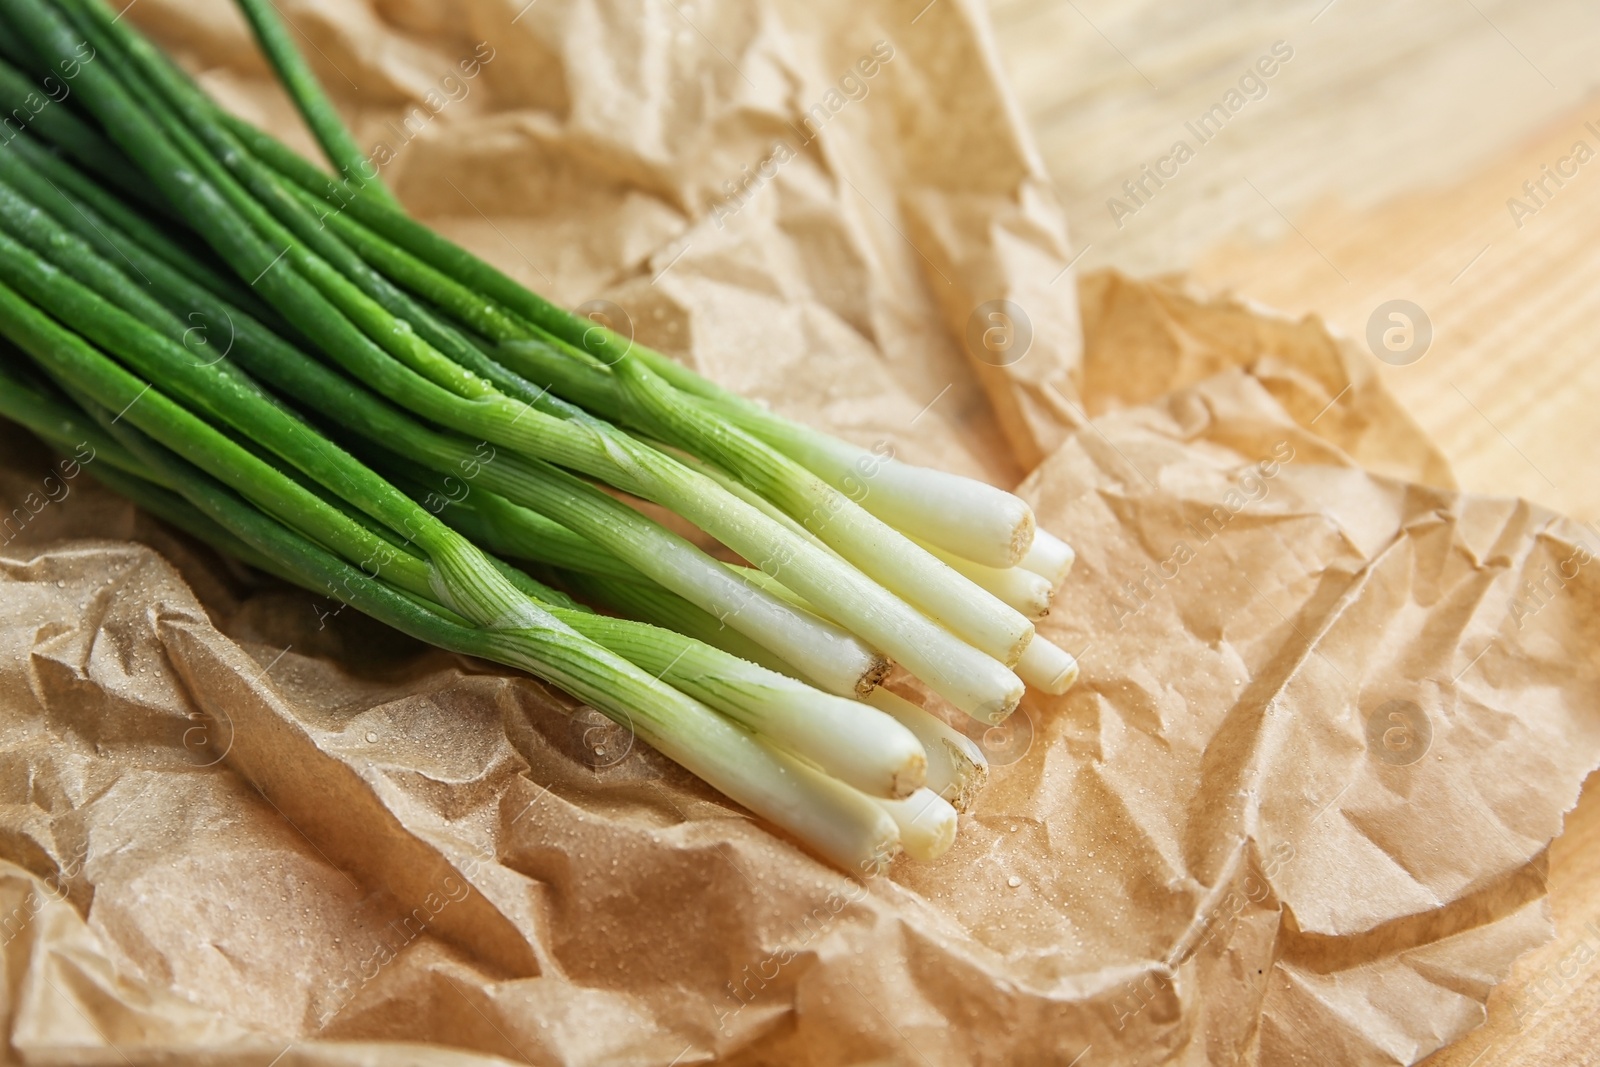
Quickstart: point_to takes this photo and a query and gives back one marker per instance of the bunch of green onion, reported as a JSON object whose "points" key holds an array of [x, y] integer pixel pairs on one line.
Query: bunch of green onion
{"points": [[392, 419]]}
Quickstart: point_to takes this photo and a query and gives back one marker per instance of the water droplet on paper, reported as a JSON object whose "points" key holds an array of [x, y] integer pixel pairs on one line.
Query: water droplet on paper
{"points": [[1013, 881], [372, 738]]}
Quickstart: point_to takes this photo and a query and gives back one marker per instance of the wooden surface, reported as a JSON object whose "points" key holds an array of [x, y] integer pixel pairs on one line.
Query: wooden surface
{"points": [[1376, 164]]}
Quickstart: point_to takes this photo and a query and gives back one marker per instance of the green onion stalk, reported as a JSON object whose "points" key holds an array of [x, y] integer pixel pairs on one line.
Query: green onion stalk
{"points": [[871, 752], [793, 715], [337, 143], [967, 519], [73, 234], [627, 672], [970, 518], [168, 137], [771, 454], [314, 382]]}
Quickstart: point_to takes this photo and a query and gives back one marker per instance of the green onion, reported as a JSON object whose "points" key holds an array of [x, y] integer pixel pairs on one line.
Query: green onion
{"points": [[337, 144], [345, 324], [631, 393], [852, 742], [79, 203], [1022, 589], [1048, 666], [839, 822], [969, 612], [303, 376], [845, 663], [1049, 556], [655, 605], [55, 121], [452, 568], [957, 769], [970, 518], [926, 822]]}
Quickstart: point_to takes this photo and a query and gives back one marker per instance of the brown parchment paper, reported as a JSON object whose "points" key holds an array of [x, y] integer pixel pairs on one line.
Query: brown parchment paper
{"points": [[1296, 809]]}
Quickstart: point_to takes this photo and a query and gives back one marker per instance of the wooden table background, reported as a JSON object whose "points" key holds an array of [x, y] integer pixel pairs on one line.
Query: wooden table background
{"points": [[1377, 166]]}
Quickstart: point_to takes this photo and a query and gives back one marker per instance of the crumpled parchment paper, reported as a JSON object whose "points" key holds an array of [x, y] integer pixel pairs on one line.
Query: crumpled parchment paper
{"points": [[1296, 809]]}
